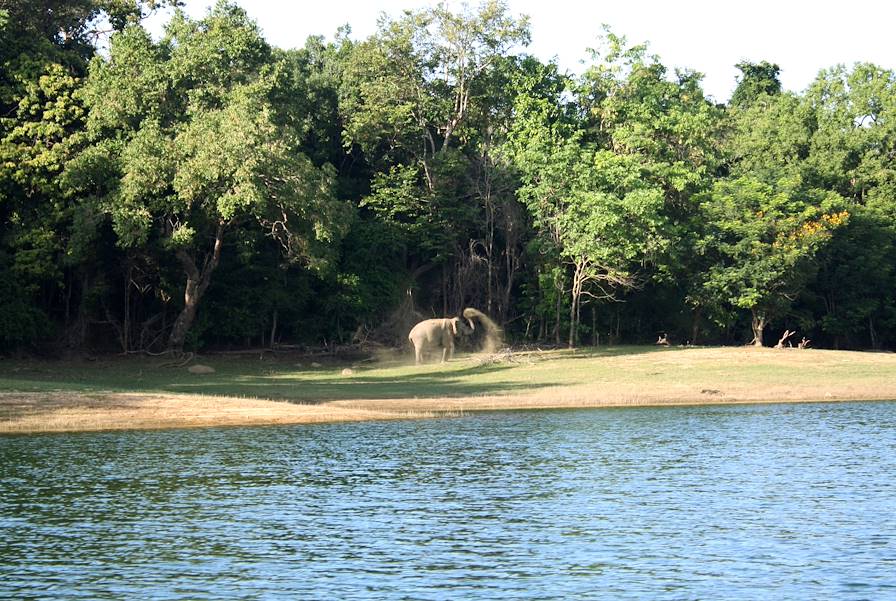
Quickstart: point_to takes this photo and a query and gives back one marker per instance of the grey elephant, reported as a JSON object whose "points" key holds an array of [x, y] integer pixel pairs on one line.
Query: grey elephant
{"points": [[431, 334]]}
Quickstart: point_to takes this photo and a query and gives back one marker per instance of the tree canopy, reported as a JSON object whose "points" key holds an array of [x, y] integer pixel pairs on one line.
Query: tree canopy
{"points": [[208, 190]]}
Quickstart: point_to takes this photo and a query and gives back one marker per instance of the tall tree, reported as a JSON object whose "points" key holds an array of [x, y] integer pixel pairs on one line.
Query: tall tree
{"points": [[44, 50], [664, 126], [763, 238], [196, 126], [409, 93], [852, 151], [597, 208]]}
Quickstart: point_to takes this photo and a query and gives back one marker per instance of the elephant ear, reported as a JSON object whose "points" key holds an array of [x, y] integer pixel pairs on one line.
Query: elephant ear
{"points": [[453, 323]]}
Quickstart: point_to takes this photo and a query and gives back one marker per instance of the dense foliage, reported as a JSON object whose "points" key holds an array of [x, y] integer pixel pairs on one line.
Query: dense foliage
{"points": [[207, 190]]}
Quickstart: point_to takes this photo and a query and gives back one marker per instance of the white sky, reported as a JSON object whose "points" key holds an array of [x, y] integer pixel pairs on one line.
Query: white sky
{"points": [[801, 36]]}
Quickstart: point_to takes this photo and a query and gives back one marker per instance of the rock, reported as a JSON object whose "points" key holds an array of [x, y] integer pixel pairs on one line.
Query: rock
{"points": [[315, 364], [299, 365], [201, 369], [347, 371]]}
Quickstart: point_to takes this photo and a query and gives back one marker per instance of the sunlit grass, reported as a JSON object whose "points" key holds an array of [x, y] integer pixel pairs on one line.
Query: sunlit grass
{"points": [[394, 387], [279, 377]]}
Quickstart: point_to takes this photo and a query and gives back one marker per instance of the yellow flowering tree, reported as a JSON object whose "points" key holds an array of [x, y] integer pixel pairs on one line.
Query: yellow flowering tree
{"points": [[761, 238]]}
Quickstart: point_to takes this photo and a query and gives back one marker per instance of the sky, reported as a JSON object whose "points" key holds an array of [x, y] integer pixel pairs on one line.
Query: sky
{"points": [[801, 36]]}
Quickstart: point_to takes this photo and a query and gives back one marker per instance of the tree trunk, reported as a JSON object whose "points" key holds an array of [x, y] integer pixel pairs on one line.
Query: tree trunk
{"points": [[873, 333], [444, 289], [695, 325], [512, 265], [758, 324], [186, 316], [490, 235], [197, 283], [126, 322], [578, 282], [595, 339], [82, 309], [558, 308], [69, 286]]}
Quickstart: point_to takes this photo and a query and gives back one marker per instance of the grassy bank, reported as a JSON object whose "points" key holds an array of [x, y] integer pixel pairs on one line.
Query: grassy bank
{"points": [[142, 393]]}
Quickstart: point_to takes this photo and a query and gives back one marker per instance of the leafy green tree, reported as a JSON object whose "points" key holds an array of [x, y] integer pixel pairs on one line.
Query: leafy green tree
{"points": [[43, 228], [770, 137], [33, 150], [541, 127], [594, 206], [756, 80], [632, 106], [852, 151], [409, 95], [665, 123], [603, 220], [407, 91], [763, 238], [849, 297], [197, 127]]}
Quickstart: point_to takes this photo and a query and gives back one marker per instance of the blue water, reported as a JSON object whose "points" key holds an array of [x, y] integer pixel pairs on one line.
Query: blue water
{"points": [[748, 502]]}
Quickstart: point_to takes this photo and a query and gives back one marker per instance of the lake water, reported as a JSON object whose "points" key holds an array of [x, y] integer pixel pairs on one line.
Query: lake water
{"points": [[739, 502]]}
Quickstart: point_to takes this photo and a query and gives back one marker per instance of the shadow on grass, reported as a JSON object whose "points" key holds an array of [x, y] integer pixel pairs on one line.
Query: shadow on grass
{"points": [[280, 378], [309, 387], [279, 382]]}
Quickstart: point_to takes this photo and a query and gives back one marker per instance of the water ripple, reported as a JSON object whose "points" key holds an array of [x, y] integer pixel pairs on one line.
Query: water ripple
{"points": [[774, 501]]}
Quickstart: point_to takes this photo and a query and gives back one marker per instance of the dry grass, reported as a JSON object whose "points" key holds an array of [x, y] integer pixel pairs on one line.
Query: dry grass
{"points": [[67, 412], [555, 379]]}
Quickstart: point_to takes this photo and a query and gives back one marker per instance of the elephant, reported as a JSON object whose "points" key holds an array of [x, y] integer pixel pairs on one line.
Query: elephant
{"points": [[431, 334]]}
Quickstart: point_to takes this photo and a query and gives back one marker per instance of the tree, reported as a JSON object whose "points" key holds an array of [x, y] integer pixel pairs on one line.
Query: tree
{"points": [[605, 237], [197, 129], [852, 151], [44, 229], [603, 221], [770, 137], [408, 88], [655, 141], [409, 93], [594, 206], [756, 80], [848, 298], [763, 238]]}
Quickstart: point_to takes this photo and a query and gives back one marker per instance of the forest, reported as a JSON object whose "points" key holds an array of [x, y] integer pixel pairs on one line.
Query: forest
{"points": [[208, 191]]}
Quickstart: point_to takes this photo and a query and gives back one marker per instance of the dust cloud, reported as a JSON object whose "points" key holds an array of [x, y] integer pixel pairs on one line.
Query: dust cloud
{"points": [[493, 335]]}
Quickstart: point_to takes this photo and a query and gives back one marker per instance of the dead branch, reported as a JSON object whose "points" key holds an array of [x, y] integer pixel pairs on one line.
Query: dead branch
{"points": [[787, 334], [179, 360]]}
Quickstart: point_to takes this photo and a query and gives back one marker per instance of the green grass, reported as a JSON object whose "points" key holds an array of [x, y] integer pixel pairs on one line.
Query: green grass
{"points": [[272, 377], [648, 368]]}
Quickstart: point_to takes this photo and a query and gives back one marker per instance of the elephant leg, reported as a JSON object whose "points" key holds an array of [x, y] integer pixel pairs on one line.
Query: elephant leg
{"points": [[418, 354], [444, 353]]}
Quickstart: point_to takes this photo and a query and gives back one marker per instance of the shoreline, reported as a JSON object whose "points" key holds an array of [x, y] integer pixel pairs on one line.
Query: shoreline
{"points": [[141, 394], [66, 412]]}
